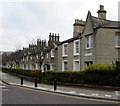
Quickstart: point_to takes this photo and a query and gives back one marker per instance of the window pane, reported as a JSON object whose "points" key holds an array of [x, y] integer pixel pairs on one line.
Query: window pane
{"points": [[52, 53], [87, 63], [117, 39], [76, 66], [87, 42], [65, 65], [91, 41], [77, 47], [65, 49]]}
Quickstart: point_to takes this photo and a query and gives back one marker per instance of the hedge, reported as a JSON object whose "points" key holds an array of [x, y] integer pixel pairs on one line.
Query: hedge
{"points": [[96, 74], [102, 74], [62, 76], [24, 72]]}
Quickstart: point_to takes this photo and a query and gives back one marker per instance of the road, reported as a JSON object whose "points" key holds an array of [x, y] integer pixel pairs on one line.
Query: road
{"points": [[21, 95]]}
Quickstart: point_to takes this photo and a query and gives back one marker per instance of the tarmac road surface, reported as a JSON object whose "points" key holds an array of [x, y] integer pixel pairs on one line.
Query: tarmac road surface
{"points": [[22, 95]]}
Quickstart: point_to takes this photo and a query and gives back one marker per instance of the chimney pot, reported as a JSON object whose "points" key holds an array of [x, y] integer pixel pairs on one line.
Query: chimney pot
{"points": [[58, 37], [75, 20], [101, 7], [55, 37], [50, 37]]}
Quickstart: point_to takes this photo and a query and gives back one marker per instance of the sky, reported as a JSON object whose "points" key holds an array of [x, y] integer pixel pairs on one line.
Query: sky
{"points": [[23, 22]]}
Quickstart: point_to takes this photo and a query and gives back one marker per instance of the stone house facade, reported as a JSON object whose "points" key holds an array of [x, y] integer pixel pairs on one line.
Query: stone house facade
{"points": [[97, 40], [69, 54], [100, 41], [36, 56]]}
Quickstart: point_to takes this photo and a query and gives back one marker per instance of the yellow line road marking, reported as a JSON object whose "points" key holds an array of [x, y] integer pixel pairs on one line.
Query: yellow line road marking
{"points": [[76, 97]]}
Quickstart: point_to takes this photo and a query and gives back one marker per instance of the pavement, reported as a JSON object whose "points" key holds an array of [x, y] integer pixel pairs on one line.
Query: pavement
{"points": [[74, 91]]}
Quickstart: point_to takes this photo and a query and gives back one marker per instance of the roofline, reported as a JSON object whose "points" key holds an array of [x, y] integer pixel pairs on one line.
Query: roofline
{"points": [[78, 24], [108, 27], [105, 19], [70, 40]]}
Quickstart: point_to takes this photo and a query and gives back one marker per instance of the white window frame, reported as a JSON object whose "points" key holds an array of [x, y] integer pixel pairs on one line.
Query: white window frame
{"points": [[117, 39], [51, 66], [52, 53], [27, 58], [74, 64], [42, 57], [63, 50], [89, 41], [26, 66], [37, 56], [47, 55], [31, 58], [23, 58], [42, 67], [63, 66], [75, 47], [88, 54], [36, 66]]}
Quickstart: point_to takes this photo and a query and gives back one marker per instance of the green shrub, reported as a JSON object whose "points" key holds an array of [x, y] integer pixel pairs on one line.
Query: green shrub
{"points": [[96, 74], [74, 77], [25, 72], [101, 74]]}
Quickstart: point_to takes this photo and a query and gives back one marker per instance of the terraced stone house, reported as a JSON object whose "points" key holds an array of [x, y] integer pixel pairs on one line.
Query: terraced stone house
{"points": [[96, 40]]}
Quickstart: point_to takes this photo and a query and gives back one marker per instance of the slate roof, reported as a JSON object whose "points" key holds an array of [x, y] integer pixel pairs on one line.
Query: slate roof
{"points": [[70, 40], [97, 22]]}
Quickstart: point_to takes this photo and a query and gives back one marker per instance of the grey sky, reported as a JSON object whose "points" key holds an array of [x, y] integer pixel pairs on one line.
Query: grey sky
{"points": [[23, 22]]}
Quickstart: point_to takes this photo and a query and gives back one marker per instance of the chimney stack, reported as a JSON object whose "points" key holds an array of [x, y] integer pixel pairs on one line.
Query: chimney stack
{"points": [[78, 27], [53, 37], [101, 12]]}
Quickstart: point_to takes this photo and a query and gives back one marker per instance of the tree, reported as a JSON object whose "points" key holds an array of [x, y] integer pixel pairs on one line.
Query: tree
{"points": [[39, 55]]}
